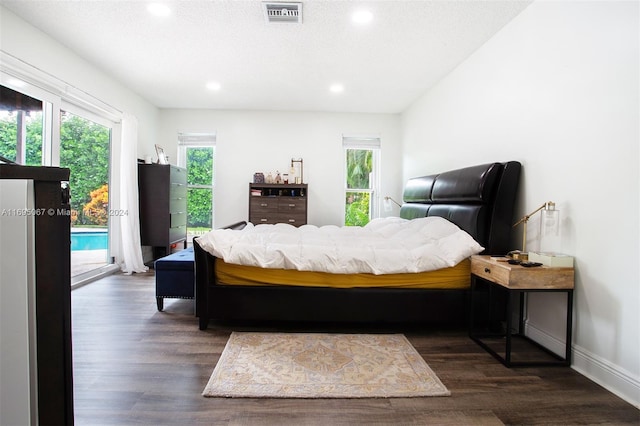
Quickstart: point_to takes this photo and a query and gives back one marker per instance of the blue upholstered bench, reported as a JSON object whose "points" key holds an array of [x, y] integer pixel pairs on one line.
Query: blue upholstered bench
{"points": [[175, 276]]}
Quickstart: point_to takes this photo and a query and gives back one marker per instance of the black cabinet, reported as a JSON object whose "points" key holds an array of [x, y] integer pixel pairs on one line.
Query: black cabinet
{"points": [[163, 207], [48, 250], [278, 203]]}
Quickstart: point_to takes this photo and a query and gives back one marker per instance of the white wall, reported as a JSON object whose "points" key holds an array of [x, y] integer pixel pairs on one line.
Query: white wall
{"points": [[59, 70], [30, 45], [557, 89], [263, 141]]}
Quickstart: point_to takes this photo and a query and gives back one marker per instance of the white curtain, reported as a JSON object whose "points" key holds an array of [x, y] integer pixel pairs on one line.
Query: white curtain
{"points": [[130, 250]]}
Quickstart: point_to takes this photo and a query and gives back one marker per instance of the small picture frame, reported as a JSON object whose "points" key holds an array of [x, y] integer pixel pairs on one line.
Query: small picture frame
{"points": [[162, 158]]}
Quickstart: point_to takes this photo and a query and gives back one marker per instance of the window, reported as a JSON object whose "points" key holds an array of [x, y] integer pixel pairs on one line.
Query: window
{"points": [[196, 153], [361, 178], [56, 127], [21, 128]]}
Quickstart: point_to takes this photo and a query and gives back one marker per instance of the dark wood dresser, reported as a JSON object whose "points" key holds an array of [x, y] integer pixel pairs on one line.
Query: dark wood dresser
{"points": [[163, 207], [278, 203], [36, 264]]}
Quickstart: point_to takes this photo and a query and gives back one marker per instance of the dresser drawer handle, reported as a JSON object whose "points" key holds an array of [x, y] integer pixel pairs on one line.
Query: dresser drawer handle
{"points": [[264, 205], [292, 220], [263, 220], [292, 205], [487, 270]]}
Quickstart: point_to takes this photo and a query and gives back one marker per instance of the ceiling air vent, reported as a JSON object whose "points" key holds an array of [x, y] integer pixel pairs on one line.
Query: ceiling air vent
{"points": [[283, 12]]}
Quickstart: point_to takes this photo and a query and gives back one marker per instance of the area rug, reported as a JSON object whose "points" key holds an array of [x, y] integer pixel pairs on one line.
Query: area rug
{"points": [[319, 365]]}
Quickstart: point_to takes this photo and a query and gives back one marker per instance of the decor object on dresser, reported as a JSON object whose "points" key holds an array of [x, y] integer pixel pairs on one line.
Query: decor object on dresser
{"points": [[514, 349], [163, 207], [278, 203], [162, 157], [258, 177], [321, 365], [296, 173], [479, 200]]}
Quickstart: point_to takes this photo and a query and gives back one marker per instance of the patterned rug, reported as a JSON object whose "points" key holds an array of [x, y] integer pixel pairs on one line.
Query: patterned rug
{"points": [[316, 365]]}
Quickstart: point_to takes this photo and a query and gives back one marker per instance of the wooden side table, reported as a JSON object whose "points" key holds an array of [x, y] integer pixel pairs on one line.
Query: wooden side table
{"points": [[518, 281]]}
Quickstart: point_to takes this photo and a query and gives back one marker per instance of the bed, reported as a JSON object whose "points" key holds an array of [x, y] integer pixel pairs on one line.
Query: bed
{"points": [[478, 199]]}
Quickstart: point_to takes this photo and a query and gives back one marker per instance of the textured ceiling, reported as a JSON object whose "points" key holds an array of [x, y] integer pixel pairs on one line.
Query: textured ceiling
{"points": [[384, 65]]}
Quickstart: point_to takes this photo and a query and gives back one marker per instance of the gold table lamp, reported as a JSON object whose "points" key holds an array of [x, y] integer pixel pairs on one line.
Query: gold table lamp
{"points": [[549, 213]]}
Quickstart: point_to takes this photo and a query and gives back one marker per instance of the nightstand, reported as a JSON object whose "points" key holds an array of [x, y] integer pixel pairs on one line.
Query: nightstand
{"points": [[490, 277]]}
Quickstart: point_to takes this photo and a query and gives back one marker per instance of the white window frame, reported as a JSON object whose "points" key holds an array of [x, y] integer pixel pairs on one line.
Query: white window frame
{"points": [[51, 105], [199, 140], [57, 96], [113, 222], [364, 142]]}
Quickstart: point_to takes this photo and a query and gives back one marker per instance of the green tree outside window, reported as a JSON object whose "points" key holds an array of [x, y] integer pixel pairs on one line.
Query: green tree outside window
{"points": [[358, 202], [84, 149], [199, 200], [9, 134]]}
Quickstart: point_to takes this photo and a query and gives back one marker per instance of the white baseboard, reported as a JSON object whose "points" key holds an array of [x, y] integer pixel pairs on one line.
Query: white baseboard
{"points": [[610, 376]]}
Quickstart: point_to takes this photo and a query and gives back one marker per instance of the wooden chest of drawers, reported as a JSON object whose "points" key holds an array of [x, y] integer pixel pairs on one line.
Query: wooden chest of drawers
{"points": [[163, 207], [278, 203]]}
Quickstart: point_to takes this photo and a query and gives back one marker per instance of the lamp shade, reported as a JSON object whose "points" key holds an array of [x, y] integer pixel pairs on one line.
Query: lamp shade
{"points": [[550, 229]]}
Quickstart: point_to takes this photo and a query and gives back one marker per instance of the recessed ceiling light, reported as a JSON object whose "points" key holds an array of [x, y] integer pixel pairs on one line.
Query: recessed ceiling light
{"points": [[336, 88], [213, 85], [362, 17], [158, 9]]}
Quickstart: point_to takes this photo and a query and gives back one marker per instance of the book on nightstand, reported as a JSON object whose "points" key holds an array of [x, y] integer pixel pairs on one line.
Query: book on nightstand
{"points": [[556, 260]]}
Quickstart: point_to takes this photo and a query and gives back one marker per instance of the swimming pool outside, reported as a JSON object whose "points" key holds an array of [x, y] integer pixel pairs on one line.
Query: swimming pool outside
{"points": [[89, 248], [89, 240]]}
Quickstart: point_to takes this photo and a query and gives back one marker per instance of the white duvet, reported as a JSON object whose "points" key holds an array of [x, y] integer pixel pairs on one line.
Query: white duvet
{"points": [[383, 246]]}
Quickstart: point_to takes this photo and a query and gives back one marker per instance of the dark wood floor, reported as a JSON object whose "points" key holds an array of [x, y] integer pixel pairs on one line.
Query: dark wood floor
{"points": [[135, 365]]}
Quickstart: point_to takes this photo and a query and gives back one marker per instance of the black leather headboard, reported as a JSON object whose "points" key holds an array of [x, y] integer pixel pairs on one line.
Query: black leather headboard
{"points": [[479, 199]]}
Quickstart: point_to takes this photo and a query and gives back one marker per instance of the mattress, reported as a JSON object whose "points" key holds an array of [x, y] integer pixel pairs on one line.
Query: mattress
{"points": [[456, 277]]}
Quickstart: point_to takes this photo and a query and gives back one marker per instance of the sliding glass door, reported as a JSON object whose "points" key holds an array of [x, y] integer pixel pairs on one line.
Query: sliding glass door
{"points": [[35, 131], [85, 150]]}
